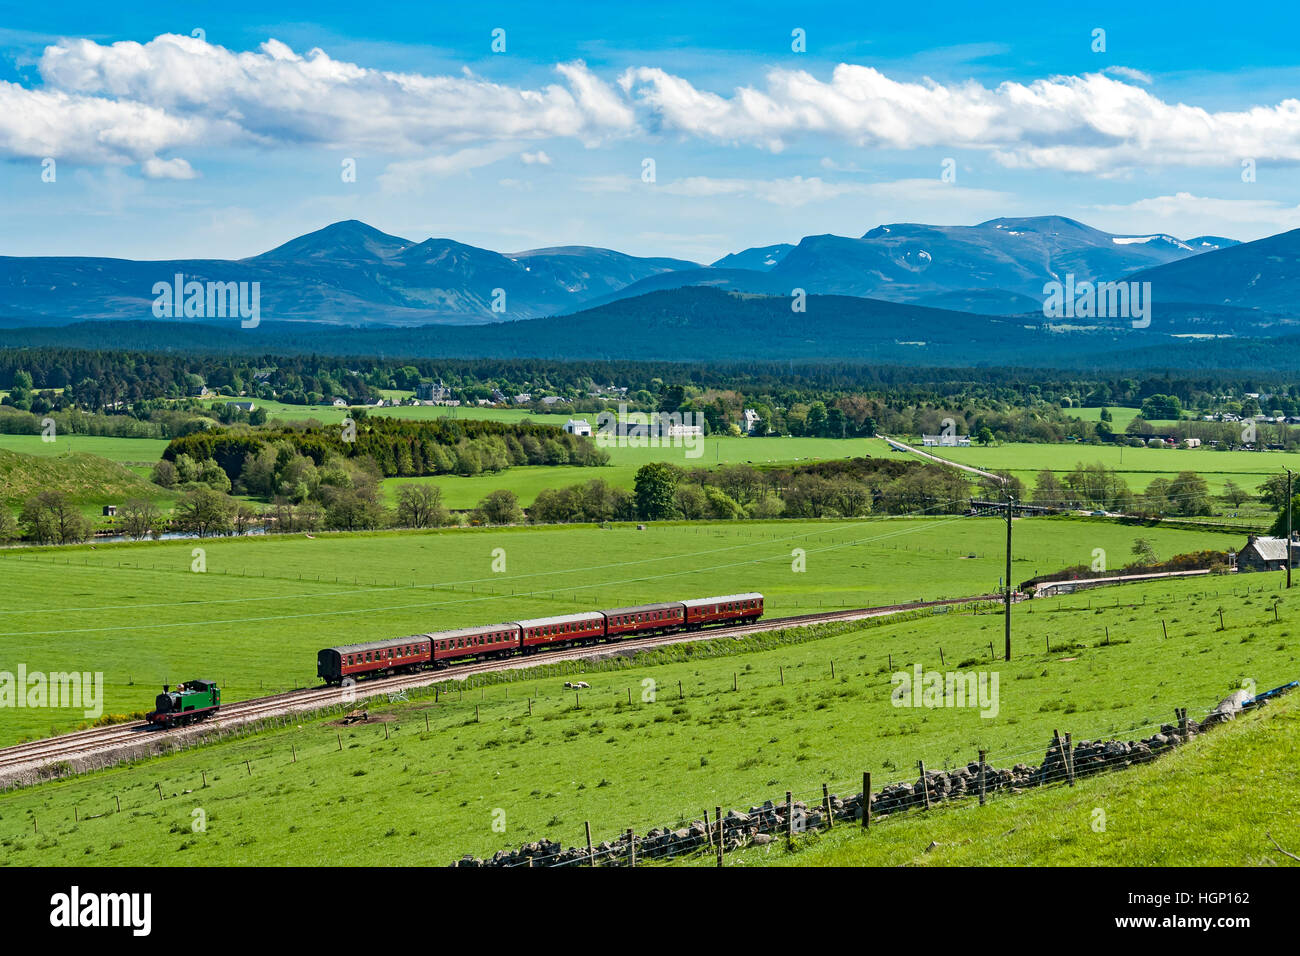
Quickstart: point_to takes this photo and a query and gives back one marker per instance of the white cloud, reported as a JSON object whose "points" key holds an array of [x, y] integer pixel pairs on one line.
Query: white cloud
{"points": [[410, 175], [1186, 214], [800, 190], [1128, 73], [1091, 123], [156, 168], [537, 158], [129, 102]]}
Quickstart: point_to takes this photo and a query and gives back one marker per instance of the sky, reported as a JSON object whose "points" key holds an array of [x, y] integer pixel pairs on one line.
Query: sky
{"points": [[691, 130]]}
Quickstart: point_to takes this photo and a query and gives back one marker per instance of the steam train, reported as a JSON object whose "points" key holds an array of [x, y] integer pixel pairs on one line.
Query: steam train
{"points": [[445, 648], [191, 701]]}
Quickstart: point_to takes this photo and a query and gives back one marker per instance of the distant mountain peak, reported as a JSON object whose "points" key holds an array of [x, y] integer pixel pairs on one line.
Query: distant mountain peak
{"points": [[346, 239]]}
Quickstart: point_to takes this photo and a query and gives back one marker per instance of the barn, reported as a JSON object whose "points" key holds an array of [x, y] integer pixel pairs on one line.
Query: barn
{"points": [[1263, 553]]}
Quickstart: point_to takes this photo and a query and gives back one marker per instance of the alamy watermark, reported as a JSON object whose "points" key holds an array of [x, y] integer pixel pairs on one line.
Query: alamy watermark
{"points": [[918, 688], [651, 430], [1098, 300], [208, 300], [57, 689]]}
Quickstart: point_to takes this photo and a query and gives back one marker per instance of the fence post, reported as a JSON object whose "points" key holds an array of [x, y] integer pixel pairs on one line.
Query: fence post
{"points": [[925, 784], [789, 819], [295, 752], [118, 801], [717, 812], [205, 779], [826, 802], [983, 783], [1069, 759], [631, 847], [340, 742], [591, 855], [866, 799]]}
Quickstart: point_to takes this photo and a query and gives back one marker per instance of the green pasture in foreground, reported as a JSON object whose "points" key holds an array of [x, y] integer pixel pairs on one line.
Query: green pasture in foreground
{"points": [[256, 617], [1148, 816], [397, 793]]}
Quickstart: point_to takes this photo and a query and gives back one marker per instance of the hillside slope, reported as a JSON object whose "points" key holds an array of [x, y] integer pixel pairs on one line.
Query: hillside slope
{"points": [[86, 479], [1209, 803]]}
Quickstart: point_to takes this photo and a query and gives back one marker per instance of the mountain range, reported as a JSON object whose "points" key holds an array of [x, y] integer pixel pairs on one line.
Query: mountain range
{"points": [[351, 274]]}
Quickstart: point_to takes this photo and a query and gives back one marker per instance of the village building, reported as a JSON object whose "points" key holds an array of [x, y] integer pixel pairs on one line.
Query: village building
{"points": [[945, 441], [578, 426], [1263, 553]]}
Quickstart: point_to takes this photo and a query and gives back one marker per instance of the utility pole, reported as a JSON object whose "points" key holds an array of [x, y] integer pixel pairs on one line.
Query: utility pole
{"points": [[1008, 579], [1288, 527]]}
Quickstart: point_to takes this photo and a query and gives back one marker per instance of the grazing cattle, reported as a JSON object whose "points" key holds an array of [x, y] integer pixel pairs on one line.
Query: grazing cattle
{"points": [[577, 685]]}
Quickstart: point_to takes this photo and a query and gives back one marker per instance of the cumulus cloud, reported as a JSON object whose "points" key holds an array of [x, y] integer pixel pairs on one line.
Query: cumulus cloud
{"points": [[1092, 123], [538, 158], [156, 168], [131, 102]]}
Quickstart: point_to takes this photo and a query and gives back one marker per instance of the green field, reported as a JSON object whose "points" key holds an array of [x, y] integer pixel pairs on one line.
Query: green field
{"points": [[1218, 774], [88, 480], [527, 480], [133, 450], [1138, 466], [406, 795], [256, 617]]}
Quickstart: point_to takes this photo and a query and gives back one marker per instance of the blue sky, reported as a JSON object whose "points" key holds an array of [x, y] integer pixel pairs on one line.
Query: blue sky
{"points": [[224, 143]]}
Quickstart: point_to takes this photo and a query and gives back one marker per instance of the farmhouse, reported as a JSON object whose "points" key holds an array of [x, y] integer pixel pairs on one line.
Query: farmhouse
{"points": [[578, 426], [945, 441], [1268, 554], [242, 406], [750, 421]]}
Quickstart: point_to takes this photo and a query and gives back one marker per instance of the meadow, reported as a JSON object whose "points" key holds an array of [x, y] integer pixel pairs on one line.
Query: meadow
{"points": [[1138, 466], [254, 618], [1218, 774], [484, 773]]}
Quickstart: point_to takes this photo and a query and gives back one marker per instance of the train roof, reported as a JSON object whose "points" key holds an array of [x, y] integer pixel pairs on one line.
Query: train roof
{"points": [[469, 631], [413, 638], [562, 619], [639, 608], [701, 602], [376, 645]]}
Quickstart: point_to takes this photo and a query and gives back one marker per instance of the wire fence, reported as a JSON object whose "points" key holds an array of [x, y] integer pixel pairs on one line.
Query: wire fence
{"points": [[820, 809]]}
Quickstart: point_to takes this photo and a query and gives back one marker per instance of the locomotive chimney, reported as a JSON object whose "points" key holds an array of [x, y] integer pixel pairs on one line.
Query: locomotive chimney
{"points": [[166, 688]]}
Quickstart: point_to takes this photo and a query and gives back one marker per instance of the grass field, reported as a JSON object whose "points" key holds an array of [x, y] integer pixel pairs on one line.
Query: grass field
{"points": [[88, 480], [527, 480], [1219, 774], [1138, 466], [133, 450], [400, 794], [256, 617]]}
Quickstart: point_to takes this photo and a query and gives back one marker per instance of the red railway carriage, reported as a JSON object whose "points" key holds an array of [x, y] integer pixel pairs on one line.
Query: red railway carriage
{"points": [[723, 609], [487, 641], [333, 664], [545, 631], [644, 618]]}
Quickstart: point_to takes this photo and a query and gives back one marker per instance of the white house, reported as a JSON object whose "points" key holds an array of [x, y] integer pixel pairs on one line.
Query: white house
{"points": [[945, 441], [578, 426], [750, 421]]}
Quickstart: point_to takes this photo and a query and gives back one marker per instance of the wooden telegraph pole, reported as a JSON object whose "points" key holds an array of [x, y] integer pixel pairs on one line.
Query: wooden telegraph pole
{"points": [[1008, 579], [1288, 527]]}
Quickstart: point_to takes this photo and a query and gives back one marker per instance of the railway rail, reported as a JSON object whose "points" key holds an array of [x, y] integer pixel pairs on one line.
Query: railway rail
{"points": [[24, 762]]}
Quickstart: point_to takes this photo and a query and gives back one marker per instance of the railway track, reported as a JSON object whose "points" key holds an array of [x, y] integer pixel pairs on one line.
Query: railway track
{"points": [[25, 761]]}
